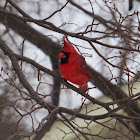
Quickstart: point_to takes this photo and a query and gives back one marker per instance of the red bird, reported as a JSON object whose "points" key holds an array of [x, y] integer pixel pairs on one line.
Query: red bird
{"points": [[73, 66]]}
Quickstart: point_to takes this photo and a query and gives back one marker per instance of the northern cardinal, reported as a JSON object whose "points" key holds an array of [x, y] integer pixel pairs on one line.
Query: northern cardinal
{"points": [[73, 66]]}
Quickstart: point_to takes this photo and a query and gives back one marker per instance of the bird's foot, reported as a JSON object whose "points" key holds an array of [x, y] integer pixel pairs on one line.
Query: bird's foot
{"points": [[83, 88]]}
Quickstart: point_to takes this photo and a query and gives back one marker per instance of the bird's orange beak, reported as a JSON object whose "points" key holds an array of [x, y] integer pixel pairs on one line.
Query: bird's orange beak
{"points": [[62, 55]]}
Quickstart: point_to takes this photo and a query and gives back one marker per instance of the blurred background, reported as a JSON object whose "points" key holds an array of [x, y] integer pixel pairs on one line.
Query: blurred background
{"points": [[105, 32]]}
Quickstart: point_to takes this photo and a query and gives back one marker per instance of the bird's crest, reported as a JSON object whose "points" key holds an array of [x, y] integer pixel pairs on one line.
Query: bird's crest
{"points": [[68, 47]]}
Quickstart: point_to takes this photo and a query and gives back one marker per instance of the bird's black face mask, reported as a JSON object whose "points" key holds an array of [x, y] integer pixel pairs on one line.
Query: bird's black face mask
{"points": [[65, 60]]}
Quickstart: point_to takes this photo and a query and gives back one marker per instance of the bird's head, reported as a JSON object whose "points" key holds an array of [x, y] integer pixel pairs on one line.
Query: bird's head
{"points": [[66, 51], [68, 48]]}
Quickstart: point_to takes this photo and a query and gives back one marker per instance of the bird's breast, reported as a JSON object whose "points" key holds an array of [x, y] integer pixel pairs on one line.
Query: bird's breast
{"points": [[72, 73]]}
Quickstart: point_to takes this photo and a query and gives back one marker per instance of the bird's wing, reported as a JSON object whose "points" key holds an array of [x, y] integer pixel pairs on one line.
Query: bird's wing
{"points": [[83, 67]]}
